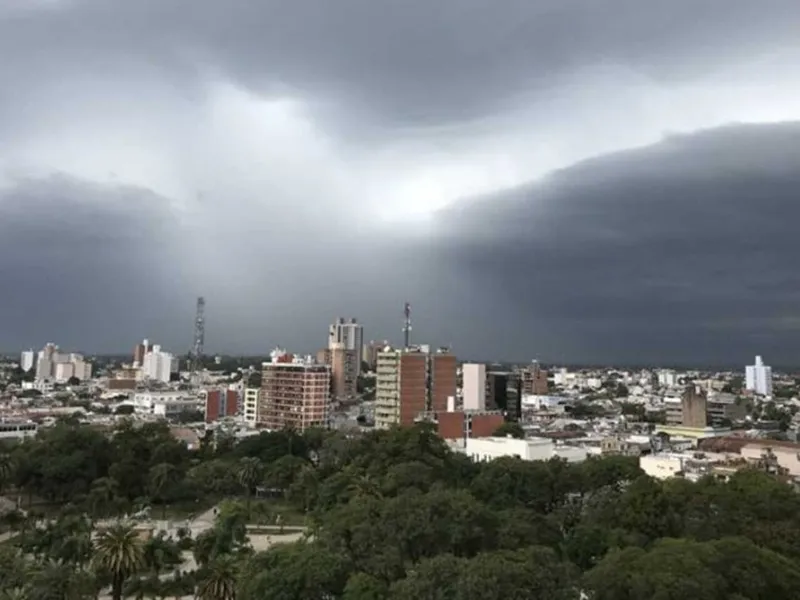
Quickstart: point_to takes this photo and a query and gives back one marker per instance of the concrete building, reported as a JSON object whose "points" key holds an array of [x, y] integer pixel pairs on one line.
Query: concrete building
{"points": [[758, 378], [413, 381], [221, 403], [59, 367], [158, 365], [250, 406], [617, 445], [473, 386], [490, 448], [694, 408], [17, 430], [344, 364], [497, 390], [295, 392], [27, 360], [725, 407], [163, 404], [534, 380], [139, 350], [667, 378], [349, 335]]}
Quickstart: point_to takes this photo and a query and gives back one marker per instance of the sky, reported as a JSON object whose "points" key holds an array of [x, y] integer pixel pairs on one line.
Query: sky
{"points": [[297, 161]]}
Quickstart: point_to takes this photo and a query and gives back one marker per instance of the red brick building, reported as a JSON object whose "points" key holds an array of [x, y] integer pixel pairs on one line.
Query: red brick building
{"points": [[220, 404]]}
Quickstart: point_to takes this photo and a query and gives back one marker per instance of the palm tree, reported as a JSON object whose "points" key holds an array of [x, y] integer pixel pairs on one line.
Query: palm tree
{"points": [[102, 496], [119, 552], [250, 474], [17, 593], [220, 580]]}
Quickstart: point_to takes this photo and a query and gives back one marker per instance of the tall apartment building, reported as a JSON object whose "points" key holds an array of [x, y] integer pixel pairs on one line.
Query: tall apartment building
{"points": [[534, 380], [473, 386], [758, 378], [694, 408], [369, 353], [59, 367], [413, 381], [139, 350], [221, 403], [27, 360], [158, 365], [348, 334], [250, 406], [344, 366], [497, 390], [295, 393]]}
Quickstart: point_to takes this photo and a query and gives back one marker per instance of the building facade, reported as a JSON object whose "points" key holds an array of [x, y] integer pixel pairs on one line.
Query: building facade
{"points": [[344, 366], [158, 365], [473, 386], [250, 406], [27, 360], [534, 380], [221, 403], [349, 335], [59, 367], [164, 404], [295, 393], [413, 381], [758, 378]]}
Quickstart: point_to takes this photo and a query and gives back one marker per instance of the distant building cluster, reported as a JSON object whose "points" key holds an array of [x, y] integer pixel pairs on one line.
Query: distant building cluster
{"points": [[55, 366], [676, 423]]}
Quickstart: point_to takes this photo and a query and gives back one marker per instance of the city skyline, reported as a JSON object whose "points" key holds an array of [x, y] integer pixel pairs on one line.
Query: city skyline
{"points": [[539, 179]]}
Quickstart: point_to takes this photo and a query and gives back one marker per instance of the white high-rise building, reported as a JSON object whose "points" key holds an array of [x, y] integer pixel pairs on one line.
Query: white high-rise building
{"points": [[350, 334], [52, 365], [473, 386], [27, 360], [158, 365], [758, 378]]}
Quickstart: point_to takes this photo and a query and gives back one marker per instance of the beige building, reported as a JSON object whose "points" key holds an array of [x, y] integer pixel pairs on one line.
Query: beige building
{"points": [[250, 406], [695, 409], [344, 366], [620, 446], [295, 393]]}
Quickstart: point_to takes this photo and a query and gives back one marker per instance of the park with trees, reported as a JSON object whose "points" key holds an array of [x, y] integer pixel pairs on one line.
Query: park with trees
{"points": [[385, 515]]}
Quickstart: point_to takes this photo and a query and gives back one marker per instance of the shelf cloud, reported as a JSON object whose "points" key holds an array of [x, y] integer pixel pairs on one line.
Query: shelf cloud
{"points": [[291, 161]]}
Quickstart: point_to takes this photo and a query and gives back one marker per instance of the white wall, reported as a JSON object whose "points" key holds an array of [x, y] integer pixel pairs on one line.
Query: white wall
{"points": [[473, 386], [660, 466], [489, 448]]}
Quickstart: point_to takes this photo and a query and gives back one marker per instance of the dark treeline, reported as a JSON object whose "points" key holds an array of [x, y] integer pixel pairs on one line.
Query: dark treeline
{"points": [[396, 515]]}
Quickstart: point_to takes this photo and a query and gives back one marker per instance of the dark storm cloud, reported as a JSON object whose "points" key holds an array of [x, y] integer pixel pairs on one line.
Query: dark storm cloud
{"points": [[250, 148], [402, 60], [80, 267], [682, 252]]}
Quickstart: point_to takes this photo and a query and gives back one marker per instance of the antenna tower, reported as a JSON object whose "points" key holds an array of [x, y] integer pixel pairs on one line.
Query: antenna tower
{"points": [[199, 336], [407, 325]]}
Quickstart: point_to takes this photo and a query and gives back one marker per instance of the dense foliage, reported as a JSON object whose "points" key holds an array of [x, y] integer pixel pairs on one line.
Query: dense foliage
{"points": [[391, 515]]}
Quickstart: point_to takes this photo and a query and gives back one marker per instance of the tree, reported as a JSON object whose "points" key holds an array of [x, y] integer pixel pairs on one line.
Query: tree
{"points": [[162, 480], [514, 430], [119, 552], [8, 468], [250, 474], [220, 580]]}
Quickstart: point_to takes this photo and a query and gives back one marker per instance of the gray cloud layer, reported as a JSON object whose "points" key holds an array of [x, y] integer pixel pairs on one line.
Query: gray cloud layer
{"points": [[284, 159]]}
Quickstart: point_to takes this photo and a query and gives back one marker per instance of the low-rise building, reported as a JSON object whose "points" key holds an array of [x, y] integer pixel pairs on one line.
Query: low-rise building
{"points": [[489, 448], [164, 404]]}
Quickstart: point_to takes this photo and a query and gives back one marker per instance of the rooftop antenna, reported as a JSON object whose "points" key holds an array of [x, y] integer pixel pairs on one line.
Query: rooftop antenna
{"points": [[407, 325], [195, 359]]}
